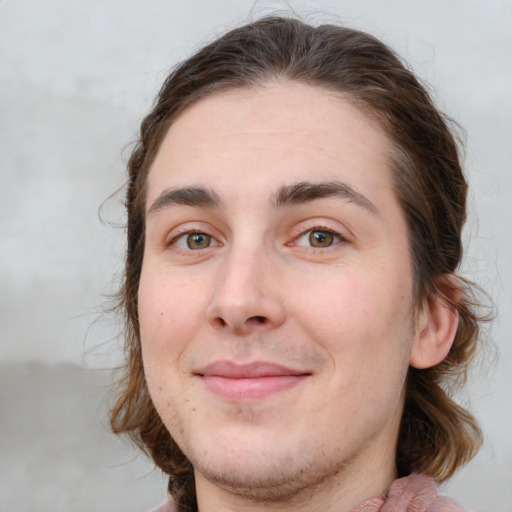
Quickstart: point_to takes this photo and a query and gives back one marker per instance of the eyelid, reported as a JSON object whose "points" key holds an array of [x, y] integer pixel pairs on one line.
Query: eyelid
{"points": [[177, 238], [185, 229], [318, 227], [336, 238]]}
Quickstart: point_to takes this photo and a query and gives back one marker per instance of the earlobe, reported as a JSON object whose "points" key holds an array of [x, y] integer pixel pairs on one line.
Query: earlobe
{"points": [[436, 327]]}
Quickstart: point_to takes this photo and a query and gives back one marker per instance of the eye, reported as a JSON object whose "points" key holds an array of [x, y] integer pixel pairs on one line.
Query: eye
{"points": [[319, 238], [195, 241]]}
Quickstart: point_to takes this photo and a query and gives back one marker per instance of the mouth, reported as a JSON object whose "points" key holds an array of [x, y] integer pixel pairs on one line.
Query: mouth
{"points": [[249, 382]]}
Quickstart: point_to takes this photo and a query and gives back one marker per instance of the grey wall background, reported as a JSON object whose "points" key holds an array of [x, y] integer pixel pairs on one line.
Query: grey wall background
{"points": [[75, 79]]}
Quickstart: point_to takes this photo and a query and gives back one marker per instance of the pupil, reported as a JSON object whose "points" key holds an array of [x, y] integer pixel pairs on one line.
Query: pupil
{"points": [[320, 238], [198, 241]]}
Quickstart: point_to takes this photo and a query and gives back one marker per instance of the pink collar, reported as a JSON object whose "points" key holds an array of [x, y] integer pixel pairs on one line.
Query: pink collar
{"points": [[414, 493]]}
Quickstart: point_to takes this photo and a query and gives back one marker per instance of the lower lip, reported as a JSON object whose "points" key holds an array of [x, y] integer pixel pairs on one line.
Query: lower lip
{"points": [[251, 388]]}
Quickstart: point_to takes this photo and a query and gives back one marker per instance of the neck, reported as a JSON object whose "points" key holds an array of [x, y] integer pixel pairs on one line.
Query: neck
{"points": [[338, 493]]}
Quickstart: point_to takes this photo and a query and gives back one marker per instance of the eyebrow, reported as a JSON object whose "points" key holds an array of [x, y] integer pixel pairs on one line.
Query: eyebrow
{"points": [[288, 195], [306, 191], [189, 196]]}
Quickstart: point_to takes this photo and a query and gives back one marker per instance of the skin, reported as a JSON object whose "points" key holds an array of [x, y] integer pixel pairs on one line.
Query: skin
{"points": [[254, 289]]}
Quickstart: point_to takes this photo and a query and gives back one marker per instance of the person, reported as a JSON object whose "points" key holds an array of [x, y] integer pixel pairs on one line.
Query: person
{"points": [[295, 319]]}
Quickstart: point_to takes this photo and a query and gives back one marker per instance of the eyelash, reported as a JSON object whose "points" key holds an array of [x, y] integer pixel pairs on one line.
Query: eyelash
{"points": [[338, 238], [173, 242], [321, 229]]}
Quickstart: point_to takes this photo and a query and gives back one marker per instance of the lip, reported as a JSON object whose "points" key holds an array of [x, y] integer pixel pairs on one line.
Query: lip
{"points": [[249, 382]]}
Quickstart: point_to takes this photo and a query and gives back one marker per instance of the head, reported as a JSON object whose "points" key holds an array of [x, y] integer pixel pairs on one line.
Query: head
{"points": [[258, 67]]}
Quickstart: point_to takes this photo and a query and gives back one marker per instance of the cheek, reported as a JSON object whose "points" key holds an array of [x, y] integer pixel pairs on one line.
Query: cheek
{"points": [[360, 316], [168, 314], [365, 330]]}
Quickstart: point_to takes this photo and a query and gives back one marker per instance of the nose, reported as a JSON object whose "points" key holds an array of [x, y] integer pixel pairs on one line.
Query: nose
{"points": [[246, 295]]}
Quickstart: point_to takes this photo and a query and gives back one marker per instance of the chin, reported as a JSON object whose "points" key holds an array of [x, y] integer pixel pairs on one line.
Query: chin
{"points": [[264, 472], [270, 482]]}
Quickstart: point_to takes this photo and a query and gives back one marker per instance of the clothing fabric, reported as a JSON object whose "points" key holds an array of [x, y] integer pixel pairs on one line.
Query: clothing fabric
{"points": [[414, 493]]}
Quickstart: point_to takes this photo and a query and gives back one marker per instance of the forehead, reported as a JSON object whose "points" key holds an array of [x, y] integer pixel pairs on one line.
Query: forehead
{"points": [[269, 136]]}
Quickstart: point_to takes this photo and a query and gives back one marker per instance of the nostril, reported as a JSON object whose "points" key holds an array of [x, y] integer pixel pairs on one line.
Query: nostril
{"points": [[239, 324], [220, 322]]}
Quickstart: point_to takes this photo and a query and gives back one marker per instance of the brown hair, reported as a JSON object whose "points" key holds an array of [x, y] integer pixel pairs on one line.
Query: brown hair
{"points": [[437, 436]]}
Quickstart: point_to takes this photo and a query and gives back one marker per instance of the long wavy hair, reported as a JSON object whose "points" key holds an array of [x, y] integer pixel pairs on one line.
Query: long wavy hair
{"points": [[437, 435]]}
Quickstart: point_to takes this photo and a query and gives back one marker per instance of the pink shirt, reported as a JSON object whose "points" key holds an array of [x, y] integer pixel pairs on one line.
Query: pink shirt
{"points": [[414, 493]]}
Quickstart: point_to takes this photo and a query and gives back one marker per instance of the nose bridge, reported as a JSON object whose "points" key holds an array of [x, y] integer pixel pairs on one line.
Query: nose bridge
{"points": [[245, 296], [243, 264]]}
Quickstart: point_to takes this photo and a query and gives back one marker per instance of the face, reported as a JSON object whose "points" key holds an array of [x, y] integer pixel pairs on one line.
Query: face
{"points": [[275, 300]]}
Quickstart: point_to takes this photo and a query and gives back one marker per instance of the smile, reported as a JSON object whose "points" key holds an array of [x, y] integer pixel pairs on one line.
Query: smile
{"points": [[249, 382]]}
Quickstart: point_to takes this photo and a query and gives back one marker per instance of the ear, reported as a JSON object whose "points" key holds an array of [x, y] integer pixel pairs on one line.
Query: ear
{"points": [[436, 326]]}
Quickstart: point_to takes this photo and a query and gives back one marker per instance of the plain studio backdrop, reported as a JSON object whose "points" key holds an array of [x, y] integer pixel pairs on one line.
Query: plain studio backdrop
{"points": [[75, 80]]}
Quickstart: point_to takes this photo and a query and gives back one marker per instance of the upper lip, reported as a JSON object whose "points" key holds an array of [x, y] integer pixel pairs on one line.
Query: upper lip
{"points": [[257, 369]]}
